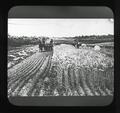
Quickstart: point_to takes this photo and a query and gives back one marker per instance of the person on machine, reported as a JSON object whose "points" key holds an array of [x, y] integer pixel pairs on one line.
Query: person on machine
{"points": [[51, 44], [43, 44], [40, 46]]}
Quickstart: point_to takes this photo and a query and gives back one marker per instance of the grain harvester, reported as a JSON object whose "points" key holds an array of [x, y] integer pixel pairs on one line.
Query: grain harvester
{"points": [[46, 45]]}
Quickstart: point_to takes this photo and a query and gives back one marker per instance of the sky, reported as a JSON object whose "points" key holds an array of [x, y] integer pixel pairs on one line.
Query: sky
{"points": [[60, 27]]}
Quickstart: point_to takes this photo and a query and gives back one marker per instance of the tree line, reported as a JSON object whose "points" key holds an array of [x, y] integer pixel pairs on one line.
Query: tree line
{"points": [[25, 40]]}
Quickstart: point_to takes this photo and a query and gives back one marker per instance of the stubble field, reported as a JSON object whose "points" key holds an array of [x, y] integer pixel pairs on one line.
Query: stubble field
{"points": [[66, 71]]}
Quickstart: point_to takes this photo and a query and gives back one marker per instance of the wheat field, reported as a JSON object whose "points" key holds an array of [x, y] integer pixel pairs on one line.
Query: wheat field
{"points": [[66, 71]]}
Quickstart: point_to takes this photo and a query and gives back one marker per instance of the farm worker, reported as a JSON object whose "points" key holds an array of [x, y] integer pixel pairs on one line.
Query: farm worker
{"points": [[43, 43], [78, 44], [75, 44], [40, 45], [51, 44]]}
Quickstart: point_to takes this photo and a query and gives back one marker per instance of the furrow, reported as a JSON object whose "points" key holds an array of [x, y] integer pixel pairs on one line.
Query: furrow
{"points": [[26, 77], [40, 72], [24, 73], [24, 66]]}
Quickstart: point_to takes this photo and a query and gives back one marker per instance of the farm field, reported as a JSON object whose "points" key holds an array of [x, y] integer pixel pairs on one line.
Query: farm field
{"points": [[18, 54], [66, 71], [105, 44]]}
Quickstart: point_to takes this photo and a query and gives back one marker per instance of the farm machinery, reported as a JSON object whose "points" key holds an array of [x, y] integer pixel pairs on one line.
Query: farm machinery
{"points": [[46, 45]]}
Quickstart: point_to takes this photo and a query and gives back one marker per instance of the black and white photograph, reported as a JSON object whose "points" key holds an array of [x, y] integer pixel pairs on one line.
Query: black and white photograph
{"points": [[60, 57]]}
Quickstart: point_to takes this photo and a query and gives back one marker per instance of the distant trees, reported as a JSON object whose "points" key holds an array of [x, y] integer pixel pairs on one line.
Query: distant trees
{"points": [[23, 40], [95, 38]]}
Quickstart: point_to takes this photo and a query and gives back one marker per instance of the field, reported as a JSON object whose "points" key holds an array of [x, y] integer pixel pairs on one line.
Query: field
{"points": [[18, 54], [66, 71]]}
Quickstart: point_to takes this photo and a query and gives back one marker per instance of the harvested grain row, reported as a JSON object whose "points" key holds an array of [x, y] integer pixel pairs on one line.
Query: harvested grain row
{"points": [[28, 80], [25, 68], [84, 83], [19, 84], [40, 78], [26, 72], [13, 83], [23, 64], [23, 79], [78, 85], [45, 77], [40, 72]]}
